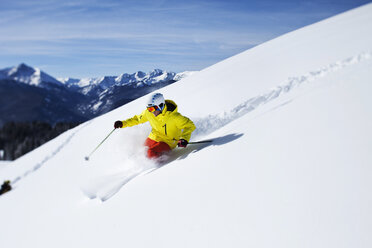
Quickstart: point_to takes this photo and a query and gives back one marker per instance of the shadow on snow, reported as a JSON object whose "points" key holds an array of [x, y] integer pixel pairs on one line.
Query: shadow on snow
{"points": [[182, 153]]}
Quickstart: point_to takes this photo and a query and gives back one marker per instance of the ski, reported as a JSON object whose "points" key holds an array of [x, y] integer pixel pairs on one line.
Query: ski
{"points": [[201, 142]]}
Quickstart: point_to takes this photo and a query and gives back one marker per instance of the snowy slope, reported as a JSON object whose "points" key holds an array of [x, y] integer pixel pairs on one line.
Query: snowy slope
{"points": [[289, 166]]}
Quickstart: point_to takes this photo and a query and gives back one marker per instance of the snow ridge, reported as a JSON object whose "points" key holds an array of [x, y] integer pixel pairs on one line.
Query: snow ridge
{"points": [[212, 123]]}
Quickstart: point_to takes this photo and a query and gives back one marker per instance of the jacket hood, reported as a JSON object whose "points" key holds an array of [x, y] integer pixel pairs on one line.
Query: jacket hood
{"points": [[170, 106]]}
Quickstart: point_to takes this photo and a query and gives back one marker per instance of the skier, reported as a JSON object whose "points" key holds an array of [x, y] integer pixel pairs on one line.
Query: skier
{"points": [[169, 127], [5, 187]]}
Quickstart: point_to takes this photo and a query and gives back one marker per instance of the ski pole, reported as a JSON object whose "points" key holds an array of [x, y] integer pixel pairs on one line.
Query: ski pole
{"points": [[87, 157], [200, 142]]}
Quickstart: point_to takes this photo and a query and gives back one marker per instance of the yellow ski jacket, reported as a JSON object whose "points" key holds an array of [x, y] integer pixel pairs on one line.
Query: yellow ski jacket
{"points": [[169, 126]]}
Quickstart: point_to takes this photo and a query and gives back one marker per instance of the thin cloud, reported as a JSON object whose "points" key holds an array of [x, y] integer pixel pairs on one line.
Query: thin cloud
{"points": [[164, 32]]}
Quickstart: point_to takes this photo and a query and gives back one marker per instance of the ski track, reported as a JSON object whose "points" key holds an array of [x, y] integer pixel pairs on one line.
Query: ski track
{"points": [[110, 185], [212, 123], [104, 187], [38, 165]]}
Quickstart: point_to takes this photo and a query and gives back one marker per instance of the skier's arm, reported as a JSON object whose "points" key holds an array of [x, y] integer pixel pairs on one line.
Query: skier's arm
{"points": [[186, 125], [135, 120]]}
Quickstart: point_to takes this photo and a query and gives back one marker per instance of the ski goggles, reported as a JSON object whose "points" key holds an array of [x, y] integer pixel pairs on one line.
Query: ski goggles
{"points": [[153, 108]]}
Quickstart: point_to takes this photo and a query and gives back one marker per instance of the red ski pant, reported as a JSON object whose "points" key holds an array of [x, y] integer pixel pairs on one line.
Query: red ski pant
{"points": [[156, 149]]}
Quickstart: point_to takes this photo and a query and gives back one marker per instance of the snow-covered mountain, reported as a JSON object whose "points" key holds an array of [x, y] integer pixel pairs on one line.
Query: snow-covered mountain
{"points": [[34, 76], [72, 99], [28, 75], [135, 80], [289, 165]]}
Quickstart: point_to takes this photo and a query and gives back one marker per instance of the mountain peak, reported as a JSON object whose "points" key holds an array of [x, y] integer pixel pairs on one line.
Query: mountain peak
{"points": [[139, 75], [21, 69], [24, 66], [29, 75]]}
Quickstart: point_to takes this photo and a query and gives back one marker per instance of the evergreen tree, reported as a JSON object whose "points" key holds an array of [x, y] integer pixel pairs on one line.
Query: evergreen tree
{"points": [[17, 139]]}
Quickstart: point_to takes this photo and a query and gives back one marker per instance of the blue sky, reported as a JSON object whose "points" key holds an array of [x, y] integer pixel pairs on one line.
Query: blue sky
{"points": [[92, 38]]}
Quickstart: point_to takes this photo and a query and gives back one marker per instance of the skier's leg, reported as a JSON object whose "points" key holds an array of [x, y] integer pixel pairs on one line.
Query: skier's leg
{"points": [[149, 142], [156, 149]]}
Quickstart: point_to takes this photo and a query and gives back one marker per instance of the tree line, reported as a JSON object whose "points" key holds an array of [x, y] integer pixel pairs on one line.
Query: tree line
{"points": [[17, 139]]}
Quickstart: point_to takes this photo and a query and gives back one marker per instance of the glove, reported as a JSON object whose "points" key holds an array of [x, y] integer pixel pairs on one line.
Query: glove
{"points": [[182, 143], [118, 124]]}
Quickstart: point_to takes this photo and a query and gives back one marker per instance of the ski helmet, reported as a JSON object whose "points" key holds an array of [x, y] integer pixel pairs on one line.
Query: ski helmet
{"points": [[157, 100]]}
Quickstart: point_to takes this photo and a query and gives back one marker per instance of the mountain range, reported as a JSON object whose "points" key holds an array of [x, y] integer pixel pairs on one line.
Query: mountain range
{"points": [[29, 94]]}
